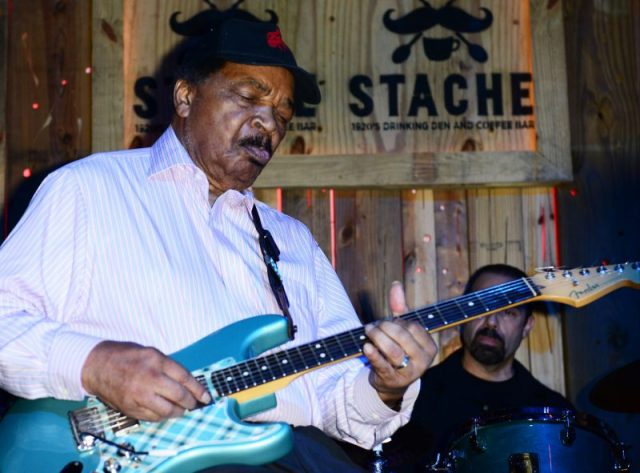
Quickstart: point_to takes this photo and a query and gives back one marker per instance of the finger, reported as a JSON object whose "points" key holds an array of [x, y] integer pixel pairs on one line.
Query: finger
{"points": [[386, 337], [159, 408], [419, 334], [397, 301], [181, 387], [379, 363]]}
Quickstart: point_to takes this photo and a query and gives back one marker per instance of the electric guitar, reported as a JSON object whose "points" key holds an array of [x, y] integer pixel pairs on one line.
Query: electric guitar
{"points": [[49, 435]]}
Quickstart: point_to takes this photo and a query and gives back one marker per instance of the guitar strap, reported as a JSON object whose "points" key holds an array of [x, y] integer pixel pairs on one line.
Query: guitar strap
{"points": [[271, 255]]}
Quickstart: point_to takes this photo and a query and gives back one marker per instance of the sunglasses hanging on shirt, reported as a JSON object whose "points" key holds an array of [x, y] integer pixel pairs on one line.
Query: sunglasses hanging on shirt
{"points": [[271, 256]]}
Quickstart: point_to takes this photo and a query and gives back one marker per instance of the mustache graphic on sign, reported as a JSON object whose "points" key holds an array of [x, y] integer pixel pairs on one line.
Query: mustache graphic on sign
{"points": [[449, 17], [205, 21]]}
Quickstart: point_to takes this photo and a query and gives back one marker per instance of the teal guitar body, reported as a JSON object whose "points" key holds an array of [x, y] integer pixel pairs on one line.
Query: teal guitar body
{"points": [[38, 436]]}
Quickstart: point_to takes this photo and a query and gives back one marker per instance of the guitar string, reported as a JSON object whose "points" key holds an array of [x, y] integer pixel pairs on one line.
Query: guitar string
{"points": [[335, 346], [349, 343]]}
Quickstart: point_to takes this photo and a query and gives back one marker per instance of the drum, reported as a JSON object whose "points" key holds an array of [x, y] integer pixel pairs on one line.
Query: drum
{"points": [[536, 440]]}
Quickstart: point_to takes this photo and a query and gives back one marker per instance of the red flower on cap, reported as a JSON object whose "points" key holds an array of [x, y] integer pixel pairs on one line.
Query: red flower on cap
{"points": [[274, 40]]}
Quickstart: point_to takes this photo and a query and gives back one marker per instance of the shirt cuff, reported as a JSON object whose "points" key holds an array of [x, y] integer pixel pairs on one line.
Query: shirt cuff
{"points": [[370, 405], [68, 353]]}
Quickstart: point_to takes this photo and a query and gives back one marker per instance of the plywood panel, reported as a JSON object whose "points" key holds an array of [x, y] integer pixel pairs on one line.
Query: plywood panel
{"points": [[452, 246], [108, 43], [50, 93], [369, 247], [313, 208], [496, 234]]}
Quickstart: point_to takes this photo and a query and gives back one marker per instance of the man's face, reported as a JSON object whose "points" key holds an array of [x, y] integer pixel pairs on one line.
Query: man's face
{"points": [[495, 338], [232, 122]]}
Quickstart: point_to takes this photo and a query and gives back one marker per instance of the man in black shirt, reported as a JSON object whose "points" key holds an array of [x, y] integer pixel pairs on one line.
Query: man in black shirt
{"points": [[481, 377]]}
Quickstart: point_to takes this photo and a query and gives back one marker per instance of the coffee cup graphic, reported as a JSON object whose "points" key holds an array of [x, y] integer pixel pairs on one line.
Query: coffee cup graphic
{"points": [[440, 49]]}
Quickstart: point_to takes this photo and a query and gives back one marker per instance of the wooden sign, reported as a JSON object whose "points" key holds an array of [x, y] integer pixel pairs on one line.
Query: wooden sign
{"points": [[415, 92]]}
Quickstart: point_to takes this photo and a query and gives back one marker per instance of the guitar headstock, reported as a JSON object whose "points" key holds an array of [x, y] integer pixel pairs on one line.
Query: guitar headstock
{"points": [[580, 286]]}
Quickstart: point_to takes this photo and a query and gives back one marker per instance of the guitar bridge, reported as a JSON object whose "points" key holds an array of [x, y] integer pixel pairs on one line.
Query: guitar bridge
{"points": [[96, 422]]}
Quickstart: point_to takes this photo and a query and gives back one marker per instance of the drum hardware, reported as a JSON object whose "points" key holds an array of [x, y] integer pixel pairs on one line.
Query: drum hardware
{"points": [[623, 462], [442, 464], [475, 442], [524, 463], [568, 434], [535, 440]]}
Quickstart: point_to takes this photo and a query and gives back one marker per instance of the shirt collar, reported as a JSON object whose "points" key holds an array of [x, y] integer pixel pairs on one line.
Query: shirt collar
{"points": [[170, 160], [167, 153]]}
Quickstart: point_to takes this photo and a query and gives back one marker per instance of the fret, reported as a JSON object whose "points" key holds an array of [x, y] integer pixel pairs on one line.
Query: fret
{"points": [[247, 376], [427, 317], [358, 338], [341, 347], [261, 370], [439, 314], [307, 355], [479, 303], [298, 363], [320, 352], [217, 381], [225, 376], [461, 308], [235, 375], [335, 348], [278, 367]]}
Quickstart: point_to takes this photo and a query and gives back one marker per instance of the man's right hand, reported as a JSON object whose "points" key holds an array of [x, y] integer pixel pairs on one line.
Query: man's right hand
{"points": [[140, 381]]}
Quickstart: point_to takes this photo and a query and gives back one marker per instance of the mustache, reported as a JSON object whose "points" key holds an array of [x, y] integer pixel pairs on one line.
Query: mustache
{"points": [[489, 332], [426, 17], [205, 21], [258, 141]]}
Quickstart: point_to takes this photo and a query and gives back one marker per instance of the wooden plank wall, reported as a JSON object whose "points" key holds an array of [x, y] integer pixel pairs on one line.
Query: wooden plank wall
{"points": [[4, 26], [49, 92], [432, 240], [600, 211], [429, 238]]}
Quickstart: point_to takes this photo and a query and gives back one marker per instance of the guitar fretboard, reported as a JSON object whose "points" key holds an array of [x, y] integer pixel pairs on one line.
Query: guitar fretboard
{"points": [[265, 369]]}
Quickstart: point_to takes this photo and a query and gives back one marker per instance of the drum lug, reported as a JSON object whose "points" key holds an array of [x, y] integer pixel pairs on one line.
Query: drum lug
{"points": [[623, 463], [568, 434], [474, 440]]}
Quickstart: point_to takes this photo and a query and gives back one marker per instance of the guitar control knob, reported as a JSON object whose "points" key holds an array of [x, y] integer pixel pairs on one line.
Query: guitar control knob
{"points": [[602, 269], [111, 466], [619, 268], [567, 274], [584, 272]]}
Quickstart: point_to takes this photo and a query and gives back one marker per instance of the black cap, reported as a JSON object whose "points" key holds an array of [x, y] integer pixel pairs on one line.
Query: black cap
{"points": [[260, 44]]}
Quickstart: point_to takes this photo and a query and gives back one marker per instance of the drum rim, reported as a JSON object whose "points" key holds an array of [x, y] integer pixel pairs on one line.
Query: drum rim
{"points": [[539, 414]]}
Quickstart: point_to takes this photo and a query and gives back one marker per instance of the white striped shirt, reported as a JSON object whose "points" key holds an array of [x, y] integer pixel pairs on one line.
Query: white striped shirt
{"points": [[125, 246]]}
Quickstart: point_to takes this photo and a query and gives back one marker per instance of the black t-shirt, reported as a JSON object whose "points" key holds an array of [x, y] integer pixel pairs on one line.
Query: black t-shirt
{"points": [[449, 397]]}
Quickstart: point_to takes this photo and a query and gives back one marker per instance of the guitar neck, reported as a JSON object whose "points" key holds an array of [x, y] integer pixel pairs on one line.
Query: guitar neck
{"points": [[295, 361], [572, 287]]}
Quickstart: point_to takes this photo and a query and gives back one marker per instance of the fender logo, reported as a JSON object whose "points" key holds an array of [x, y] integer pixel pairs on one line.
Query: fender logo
{"points": [[589, 289]]}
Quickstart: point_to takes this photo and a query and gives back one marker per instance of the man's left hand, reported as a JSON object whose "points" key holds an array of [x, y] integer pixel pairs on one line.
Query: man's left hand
{"points": [[399, 352]]}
